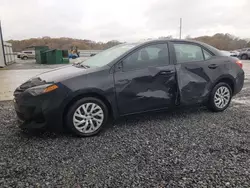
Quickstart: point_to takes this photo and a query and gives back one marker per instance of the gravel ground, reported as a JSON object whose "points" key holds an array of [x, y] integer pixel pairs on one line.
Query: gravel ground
{"points": [[183, 148]]}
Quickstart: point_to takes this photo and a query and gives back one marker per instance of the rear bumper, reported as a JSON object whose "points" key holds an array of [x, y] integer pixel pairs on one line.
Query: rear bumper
{"points": [[239, 82]]}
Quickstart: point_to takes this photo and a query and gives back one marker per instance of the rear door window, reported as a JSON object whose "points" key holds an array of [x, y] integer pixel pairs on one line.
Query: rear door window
{"points": [[27, 52], [188, 53]]}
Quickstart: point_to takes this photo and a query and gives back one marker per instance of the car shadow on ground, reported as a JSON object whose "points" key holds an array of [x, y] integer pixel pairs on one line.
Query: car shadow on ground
{"points": [[123, 121]]}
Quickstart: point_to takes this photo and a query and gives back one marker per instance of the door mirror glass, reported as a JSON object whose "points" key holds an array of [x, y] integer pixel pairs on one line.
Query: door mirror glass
{"points": [[119, 65]]}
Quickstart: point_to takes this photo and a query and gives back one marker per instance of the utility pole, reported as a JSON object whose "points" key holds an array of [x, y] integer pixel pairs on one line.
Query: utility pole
{"points": [[180, 26]]}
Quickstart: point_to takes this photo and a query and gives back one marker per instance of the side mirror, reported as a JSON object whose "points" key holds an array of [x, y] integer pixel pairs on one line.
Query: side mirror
{"points": [[119, 66]]}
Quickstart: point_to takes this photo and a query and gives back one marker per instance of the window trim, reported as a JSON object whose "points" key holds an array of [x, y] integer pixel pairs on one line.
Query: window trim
{"points": [[27, 52], [189, 43], [120, 62], [203, 49]]}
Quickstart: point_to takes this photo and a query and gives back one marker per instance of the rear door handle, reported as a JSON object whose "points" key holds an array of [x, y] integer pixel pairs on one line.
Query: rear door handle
{"points": [[166, 72], [212, 66], [125, 81]]}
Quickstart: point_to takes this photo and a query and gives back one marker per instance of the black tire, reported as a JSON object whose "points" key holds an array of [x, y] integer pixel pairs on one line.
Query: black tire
{"points": [[25, 58], [70, 115], [244, 57], [211, 103]]}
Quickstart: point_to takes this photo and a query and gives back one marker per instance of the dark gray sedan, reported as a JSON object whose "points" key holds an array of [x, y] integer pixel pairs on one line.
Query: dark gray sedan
{"points": [[129, 79]]}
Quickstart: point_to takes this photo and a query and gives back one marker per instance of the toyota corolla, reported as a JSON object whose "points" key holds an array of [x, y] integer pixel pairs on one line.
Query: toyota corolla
{"points": [[128, 79]]}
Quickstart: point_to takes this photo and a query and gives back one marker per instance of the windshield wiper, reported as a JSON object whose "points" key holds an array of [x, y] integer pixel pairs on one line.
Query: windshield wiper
{"points": [[84, 66], [81, 65]]}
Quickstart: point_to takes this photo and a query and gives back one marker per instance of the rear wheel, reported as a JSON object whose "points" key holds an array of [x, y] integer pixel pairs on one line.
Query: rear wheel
{"points": [[25, 58], [220, 97], [87, 116]]}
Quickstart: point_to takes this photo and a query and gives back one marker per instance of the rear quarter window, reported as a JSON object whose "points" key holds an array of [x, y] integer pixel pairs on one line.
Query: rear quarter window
{"points": [[207, 55]]}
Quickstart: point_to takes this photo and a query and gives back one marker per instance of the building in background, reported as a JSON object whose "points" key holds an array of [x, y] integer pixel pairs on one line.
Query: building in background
{"points": [[6, 53], [2, 57]]}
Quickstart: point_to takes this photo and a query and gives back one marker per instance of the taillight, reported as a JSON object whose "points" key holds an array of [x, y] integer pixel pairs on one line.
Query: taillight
{"points": [[239, 63]]}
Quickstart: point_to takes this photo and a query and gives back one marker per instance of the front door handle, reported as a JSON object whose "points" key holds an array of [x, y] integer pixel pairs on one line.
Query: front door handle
{"points": [[166, 72], [212, 66]]}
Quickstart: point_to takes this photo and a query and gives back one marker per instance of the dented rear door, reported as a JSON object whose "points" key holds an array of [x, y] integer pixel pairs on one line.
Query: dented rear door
{"points": [[195, 72]]}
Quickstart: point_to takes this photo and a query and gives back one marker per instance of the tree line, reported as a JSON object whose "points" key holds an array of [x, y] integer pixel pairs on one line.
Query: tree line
{"points": [[61, 43], [219, 40], [225, 41]]}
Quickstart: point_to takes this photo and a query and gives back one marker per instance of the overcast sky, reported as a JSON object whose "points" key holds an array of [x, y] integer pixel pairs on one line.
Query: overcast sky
{"points": [[124, 20]]}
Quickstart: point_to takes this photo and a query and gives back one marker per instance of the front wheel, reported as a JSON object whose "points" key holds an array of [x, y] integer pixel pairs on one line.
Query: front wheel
{"points": [[220, 97], [87, 116]]}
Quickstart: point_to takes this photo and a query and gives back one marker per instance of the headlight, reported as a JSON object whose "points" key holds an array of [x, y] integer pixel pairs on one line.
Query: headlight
{"points": [[38, 90]]}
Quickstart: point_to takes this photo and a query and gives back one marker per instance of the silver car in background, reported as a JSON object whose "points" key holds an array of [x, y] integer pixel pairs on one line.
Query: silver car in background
{"points": [[244, 54]]}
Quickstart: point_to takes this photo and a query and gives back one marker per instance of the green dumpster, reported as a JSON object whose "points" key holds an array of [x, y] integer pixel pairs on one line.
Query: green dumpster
{"points": [[65, 55], [40, 56], [55, 56]]}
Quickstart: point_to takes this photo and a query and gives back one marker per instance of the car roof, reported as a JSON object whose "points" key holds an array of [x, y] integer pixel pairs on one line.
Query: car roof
{"points": [[140, 44], [214, 50]]}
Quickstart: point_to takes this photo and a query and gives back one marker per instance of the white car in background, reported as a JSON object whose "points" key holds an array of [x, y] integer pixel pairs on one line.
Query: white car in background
{"points": [[230, 53], [234, 53], [27, 54]]}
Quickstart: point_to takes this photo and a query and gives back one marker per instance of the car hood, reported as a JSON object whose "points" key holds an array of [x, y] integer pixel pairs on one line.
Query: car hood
{"points": [[64, 73], [242, 52]]}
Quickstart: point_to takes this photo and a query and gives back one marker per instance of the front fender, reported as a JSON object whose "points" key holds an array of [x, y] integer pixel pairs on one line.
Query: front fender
{"points": [[72, 95], [108, 96]]}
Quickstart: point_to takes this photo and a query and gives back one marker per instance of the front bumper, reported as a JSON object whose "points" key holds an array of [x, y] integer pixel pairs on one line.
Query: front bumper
{"points": [[43, 111], [28, 116]]}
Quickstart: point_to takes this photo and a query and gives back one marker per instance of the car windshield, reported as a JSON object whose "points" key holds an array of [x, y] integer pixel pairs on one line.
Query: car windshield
{"points": [[106, 56]]}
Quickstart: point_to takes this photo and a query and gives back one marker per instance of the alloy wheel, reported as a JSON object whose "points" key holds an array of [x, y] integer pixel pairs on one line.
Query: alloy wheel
{"points": [[88, 117], [222, 97]]}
